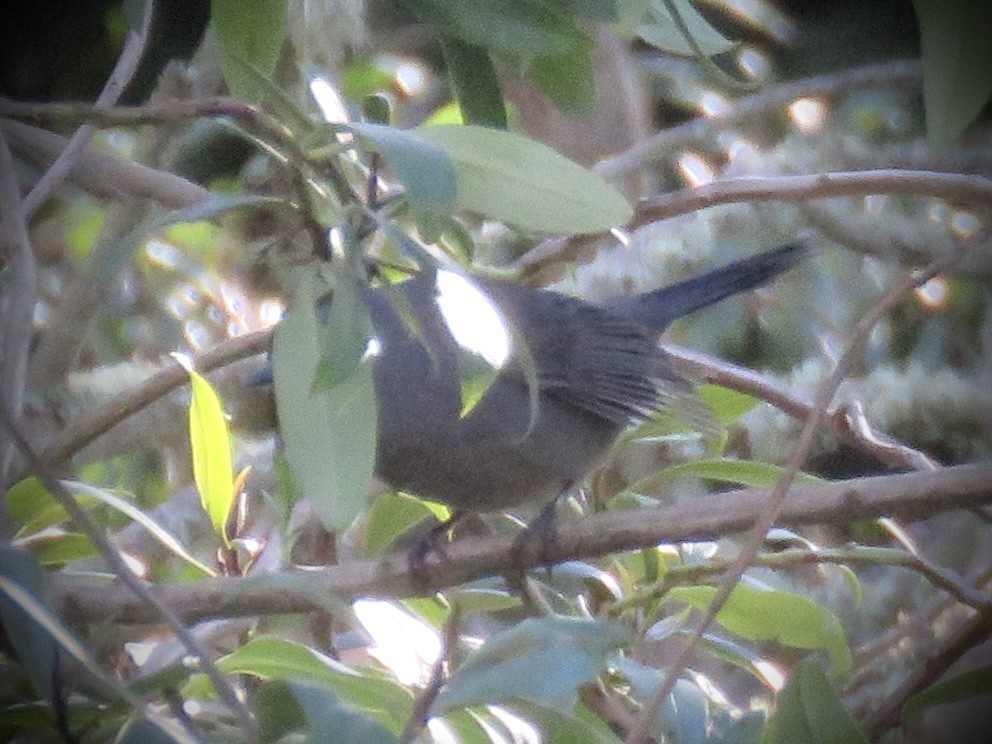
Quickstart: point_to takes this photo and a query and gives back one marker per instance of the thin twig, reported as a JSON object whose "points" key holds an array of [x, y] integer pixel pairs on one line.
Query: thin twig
{"points": [[888, 714], [774, 505], [18, 294], [955, 187], [104, 174], [128, 578], [940, 577], [91, 425], [422, 705], [127, 64], [848, 422], [905, 73]]}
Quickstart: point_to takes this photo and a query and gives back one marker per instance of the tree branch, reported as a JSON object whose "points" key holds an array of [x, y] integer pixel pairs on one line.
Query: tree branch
{"points": [[909, 496], [899, 73], [955, 187], [18, 294], [101, 173]]}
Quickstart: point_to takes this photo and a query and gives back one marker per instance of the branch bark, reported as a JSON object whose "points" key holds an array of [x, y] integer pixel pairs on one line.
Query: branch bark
{"points": [[909, 496]]}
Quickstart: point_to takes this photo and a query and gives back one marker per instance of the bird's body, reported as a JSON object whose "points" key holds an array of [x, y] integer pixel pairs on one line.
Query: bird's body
{"points": [[598, 368]]}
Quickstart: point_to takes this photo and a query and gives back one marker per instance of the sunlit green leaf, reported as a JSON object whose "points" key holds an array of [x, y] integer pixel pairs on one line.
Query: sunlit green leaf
{"points": [[31, 508], [61, 548], [727, 405], [286, 706], [765, 614], [210, 442], [741, 472], [390, 516], [275, 658]]}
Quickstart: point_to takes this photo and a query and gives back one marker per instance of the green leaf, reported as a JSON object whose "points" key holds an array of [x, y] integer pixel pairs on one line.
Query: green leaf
{"points": [[134, 513], [288, 706], [727, 405], [482, 601], [210, 441], [390, 516], [683, 717], [34, 630], [249, 33], [509, 177], [960, 687], [742, 472], [425, 170], [33, 646], [662, 32], [565, 727], [566, 78], [61, 548], [269, 657], [475, 84], [765, 614], [808, 711], [516, 28], [31, 508], [344, 337], [956, 62], [144, 731], [329, 435], [540, 660]]}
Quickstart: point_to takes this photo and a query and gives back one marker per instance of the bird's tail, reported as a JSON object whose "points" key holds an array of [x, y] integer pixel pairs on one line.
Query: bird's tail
{"points": [[656, 310]]}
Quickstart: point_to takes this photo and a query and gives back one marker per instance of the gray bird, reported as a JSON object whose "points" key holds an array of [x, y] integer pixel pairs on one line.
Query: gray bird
{"points": [[598, 369]]}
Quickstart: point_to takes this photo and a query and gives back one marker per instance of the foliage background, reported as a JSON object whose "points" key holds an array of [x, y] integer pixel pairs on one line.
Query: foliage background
{"points": [[860, 621]]}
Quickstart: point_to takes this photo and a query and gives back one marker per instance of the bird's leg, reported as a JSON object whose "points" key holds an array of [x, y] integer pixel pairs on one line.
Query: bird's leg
{"points": [[433, 542], [543, 530]]}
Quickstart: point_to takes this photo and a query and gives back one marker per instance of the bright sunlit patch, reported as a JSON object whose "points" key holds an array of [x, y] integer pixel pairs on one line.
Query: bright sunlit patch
{"points": [[270, 311], [406, 645], [808, 114], [328, 100], [964, 224], [695, 169], [770, 673], [713, 104], [138, 567], [163, 254], [937, 211], [472, 318], [622, 236], [196, 334], [933, 294], [754, 62], [410, 77]]}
